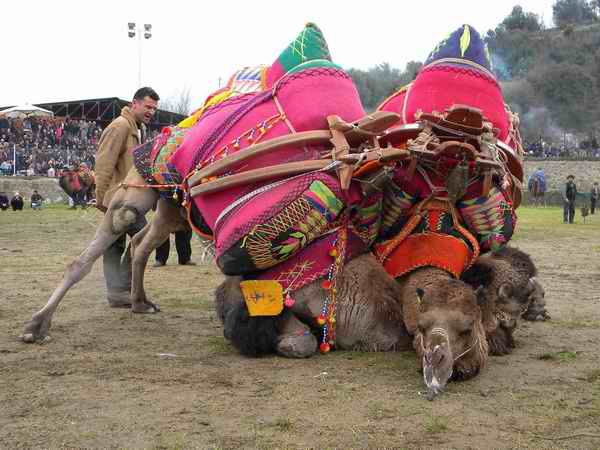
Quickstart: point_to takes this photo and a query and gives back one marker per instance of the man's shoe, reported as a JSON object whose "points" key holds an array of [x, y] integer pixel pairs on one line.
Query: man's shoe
{"points": [[118, 299], [188, 263], [159, 264]]}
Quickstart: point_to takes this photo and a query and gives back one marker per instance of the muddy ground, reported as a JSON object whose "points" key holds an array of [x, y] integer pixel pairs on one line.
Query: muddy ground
{"points": [[109, 379]]}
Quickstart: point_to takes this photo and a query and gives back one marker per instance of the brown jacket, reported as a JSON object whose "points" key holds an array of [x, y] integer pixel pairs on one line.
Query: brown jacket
{"points": [[115, 158]]}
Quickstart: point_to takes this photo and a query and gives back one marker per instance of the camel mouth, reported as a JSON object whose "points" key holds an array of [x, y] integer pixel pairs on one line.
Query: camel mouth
{"points": [[435, 375]]}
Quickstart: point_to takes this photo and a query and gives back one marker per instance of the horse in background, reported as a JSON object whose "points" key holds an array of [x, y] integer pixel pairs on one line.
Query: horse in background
{"points": [[537, 188]]}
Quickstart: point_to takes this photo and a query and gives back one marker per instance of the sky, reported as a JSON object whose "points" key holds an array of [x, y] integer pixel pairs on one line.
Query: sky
{"points": [[69, 50]]}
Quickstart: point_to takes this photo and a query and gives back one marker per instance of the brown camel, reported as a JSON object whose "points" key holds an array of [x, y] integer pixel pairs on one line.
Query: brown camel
{"points": [[124, 207], [507, 277], [79, 186], [368, 315], [374, 313]]}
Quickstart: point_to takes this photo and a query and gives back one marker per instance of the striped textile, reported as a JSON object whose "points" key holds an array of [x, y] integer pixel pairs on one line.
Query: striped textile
{"points": [[248, 80]]}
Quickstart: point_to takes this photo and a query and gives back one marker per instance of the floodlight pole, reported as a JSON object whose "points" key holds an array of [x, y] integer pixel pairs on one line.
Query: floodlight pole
{"points": [[132, 32], [14, 160]]}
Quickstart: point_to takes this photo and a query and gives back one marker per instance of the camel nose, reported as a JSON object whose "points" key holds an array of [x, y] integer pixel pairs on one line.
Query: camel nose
{"points": [[434, 356]]}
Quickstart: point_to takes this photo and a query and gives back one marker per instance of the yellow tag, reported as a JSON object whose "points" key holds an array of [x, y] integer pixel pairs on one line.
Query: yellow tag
{"points": [[263, 297]]}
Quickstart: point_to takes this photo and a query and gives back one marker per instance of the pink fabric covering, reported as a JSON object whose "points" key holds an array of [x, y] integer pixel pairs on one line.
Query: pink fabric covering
{"points": [[439, 87], [307, 98]]}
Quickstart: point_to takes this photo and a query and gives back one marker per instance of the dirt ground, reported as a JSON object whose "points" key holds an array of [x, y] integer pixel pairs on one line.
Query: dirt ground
{"points": [[109, 379]]}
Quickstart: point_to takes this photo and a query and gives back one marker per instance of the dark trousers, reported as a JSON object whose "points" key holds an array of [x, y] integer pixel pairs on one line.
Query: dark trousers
{"points": [[117, 262], [182, 244], [569, 211], [593, 205]]}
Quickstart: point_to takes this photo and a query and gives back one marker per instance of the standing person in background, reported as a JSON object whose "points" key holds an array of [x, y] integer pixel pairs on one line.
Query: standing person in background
{"points": [[569, 194], [594, 194], [113, 160], [183, 246]]}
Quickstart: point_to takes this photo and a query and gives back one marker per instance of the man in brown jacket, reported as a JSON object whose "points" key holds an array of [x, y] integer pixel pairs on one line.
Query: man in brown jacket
{"points": [[113, 160]]}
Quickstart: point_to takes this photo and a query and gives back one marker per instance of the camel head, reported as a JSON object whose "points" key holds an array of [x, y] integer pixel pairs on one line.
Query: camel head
{"points": [[450, 338], [505, 278]]}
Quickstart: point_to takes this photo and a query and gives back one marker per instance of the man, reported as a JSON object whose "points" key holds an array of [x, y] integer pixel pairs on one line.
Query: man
{"points": [[4, 203], [569, 193], [36, 200], [184, 250], [17, 202], [594, 194], [113, 160]]}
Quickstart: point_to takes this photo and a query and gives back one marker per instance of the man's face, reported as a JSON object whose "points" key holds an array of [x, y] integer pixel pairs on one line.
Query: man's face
{"points": [[144, 109]]}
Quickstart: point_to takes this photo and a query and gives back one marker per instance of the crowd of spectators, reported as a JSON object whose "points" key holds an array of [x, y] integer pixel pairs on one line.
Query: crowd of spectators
{"points": [[47, 145], [44, 143], [586, 150]]}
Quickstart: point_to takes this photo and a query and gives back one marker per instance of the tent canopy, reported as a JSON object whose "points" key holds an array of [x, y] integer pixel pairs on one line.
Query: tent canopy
{"points": [[23, 111]]}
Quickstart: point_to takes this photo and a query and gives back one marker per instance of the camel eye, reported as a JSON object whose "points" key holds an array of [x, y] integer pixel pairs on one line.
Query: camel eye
{"points": [[465, 333]]}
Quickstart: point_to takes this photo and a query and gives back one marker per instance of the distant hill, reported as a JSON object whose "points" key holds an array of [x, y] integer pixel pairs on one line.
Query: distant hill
{"points": [[551, 77]]}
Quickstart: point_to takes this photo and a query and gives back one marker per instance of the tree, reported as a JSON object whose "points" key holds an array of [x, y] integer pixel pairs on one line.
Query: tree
{"points": [[572, 12], [570, 92], [379, 82], [180, 102], [521, 20]]}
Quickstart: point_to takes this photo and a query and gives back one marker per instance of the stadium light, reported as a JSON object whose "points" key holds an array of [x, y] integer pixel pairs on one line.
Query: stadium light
{"points": [[132, 31]]}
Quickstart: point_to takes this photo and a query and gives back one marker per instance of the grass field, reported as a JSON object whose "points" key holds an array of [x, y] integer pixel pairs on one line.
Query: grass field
{"points": [[109, 379]]}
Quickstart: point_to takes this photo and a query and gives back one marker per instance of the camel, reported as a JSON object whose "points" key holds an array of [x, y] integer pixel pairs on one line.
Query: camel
{"points": [[453, 325], [509, 284], [126, 205], [444, 318], [78, 185]]}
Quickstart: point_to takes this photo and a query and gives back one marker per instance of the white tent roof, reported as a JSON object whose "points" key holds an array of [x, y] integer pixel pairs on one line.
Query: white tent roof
{"points": [[25, 111]]}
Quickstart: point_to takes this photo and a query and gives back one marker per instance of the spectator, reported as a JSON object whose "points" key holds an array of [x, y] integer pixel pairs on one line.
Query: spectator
{"points": [[17, 202], [4, 203], [594, 194], [36, 201], [569, 194], [184, 250]]}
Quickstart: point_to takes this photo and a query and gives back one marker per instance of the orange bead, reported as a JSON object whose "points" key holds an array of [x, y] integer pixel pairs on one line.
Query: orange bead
{"points": [[324, 347]]}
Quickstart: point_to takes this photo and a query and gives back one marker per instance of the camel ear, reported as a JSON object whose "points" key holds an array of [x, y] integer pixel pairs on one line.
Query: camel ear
{"points": [[480, 295], [420, 294], [505, 291]]}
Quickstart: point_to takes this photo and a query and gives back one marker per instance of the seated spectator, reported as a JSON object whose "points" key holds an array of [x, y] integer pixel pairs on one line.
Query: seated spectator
{"points": [[17, 202], [36, 200], [4, 203]]}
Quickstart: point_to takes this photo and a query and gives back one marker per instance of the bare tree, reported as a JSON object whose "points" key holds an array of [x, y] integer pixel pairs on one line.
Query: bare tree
{"points": [[179, 102]]}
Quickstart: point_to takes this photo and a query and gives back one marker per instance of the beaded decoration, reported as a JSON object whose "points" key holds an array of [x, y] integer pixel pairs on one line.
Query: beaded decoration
{"points": [[327, 317]]}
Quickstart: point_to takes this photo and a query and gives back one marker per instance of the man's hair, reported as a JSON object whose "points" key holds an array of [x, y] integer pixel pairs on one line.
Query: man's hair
{"points": [[146, 92]]}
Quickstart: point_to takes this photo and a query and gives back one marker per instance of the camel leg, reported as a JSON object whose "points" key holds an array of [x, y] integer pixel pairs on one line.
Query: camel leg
{"points": [[125, 207], [167, 220]]}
